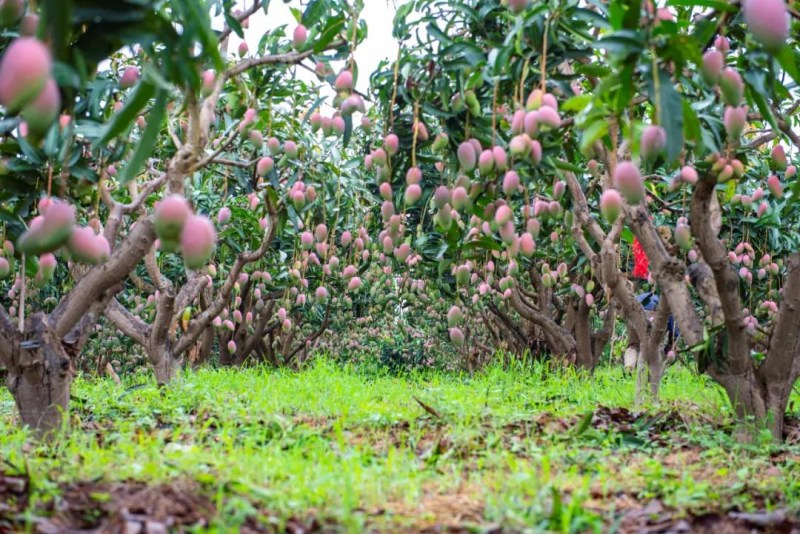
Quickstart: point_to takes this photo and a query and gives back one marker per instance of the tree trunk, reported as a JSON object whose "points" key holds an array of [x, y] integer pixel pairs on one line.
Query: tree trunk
{"points": [[583, 336], [39, 378], [165, 365]]}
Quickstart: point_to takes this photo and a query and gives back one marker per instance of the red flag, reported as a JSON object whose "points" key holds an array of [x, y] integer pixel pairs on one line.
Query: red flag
{"points": [[641, 265]]}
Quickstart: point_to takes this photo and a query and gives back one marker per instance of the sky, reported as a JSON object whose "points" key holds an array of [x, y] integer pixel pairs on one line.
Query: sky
{"points": [[378, 45]]}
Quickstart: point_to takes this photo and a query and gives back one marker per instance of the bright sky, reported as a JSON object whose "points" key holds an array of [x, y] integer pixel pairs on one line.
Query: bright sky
{"points": [[378, 45]]}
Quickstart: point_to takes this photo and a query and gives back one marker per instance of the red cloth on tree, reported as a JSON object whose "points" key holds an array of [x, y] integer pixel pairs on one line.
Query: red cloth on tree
{"points": [[641, 265]]}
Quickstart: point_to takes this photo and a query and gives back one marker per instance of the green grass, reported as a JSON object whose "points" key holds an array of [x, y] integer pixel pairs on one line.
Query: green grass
{"points": [[357, 451]]}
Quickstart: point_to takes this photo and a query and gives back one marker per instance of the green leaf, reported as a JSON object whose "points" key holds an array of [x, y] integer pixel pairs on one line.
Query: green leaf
{"points": [[596, 130], [564, 166], [787, 58], [348, 130], [670, 113], [626, 42], [333, 29], [197, 14], [718, 5], [149, 137], [123, 119], [313, 13], [691, 124], [313, 108]]}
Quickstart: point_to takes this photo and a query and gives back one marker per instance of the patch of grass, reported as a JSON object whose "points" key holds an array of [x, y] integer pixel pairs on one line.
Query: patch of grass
{"points": [[552, 450]]}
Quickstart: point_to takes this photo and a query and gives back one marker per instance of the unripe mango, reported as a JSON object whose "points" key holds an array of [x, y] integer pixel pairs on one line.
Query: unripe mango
{"points": [[628, 181], [472, 103], [722, 44], [455, 316], [321, 233], [265, 166], [170, 215], [344, 81], [517, 5], [129, 78], [256, 138], [223, 215], [775, 187], [466, 156], [48, 231], [503, 215], [711, 69], [420, 131], [768, 21], [198, 240], [209, 81], [461, 199], [778, 156], [518, 122], [520, 145], [385, 191], [486, 162], [440, 142], [43, 110], [735, 120], [392, 144], [732, 87], [321, 295], [402, 252], [299, 37], [548, 119], [441, 196], [536, 152], [24, 70], [511, 183], [306, 240], [527, 245], [87, 247], [689, 175], [559, 188], [354, 284], [683, 237], [413, 176], [298, 199], [5, 268], [500, 158], [10, 12], [531, 123], [412, 194], [610, 205], [653, 142]]}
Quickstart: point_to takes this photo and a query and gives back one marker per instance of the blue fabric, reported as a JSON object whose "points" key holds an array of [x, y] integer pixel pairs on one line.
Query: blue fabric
{"points": [[649, 302]]}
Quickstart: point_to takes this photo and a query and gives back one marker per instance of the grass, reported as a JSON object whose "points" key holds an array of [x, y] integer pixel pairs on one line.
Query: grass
{"points": [[549, 450]]}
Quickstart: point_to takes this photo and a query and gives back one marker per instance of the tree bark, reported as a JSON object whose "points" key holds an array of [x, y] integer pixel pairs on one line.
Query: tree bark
{"points": [[39, 378]]}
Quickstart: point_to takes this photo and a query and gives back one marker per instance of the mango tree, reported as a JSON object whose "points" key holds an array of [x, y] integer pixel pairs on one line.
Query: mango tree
{"points": [[657, 120]]}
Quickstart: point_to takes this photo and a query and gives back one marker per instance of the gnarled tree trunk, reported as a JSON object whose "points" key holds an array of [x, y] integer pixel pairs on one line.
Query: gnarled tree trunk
{"points": [[39, 377]]}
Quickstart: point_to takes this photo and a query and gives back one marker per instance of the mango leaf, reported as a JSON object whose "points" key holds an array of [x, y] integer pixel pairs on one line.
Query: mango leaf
{"points": [[596, 130], [317, 103], [332, 29], [691, 124], [348, 130], [149, 137], [313, 13], [756, 90], [670, 113], [787, 58], [718, 5], [626, 42]]}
